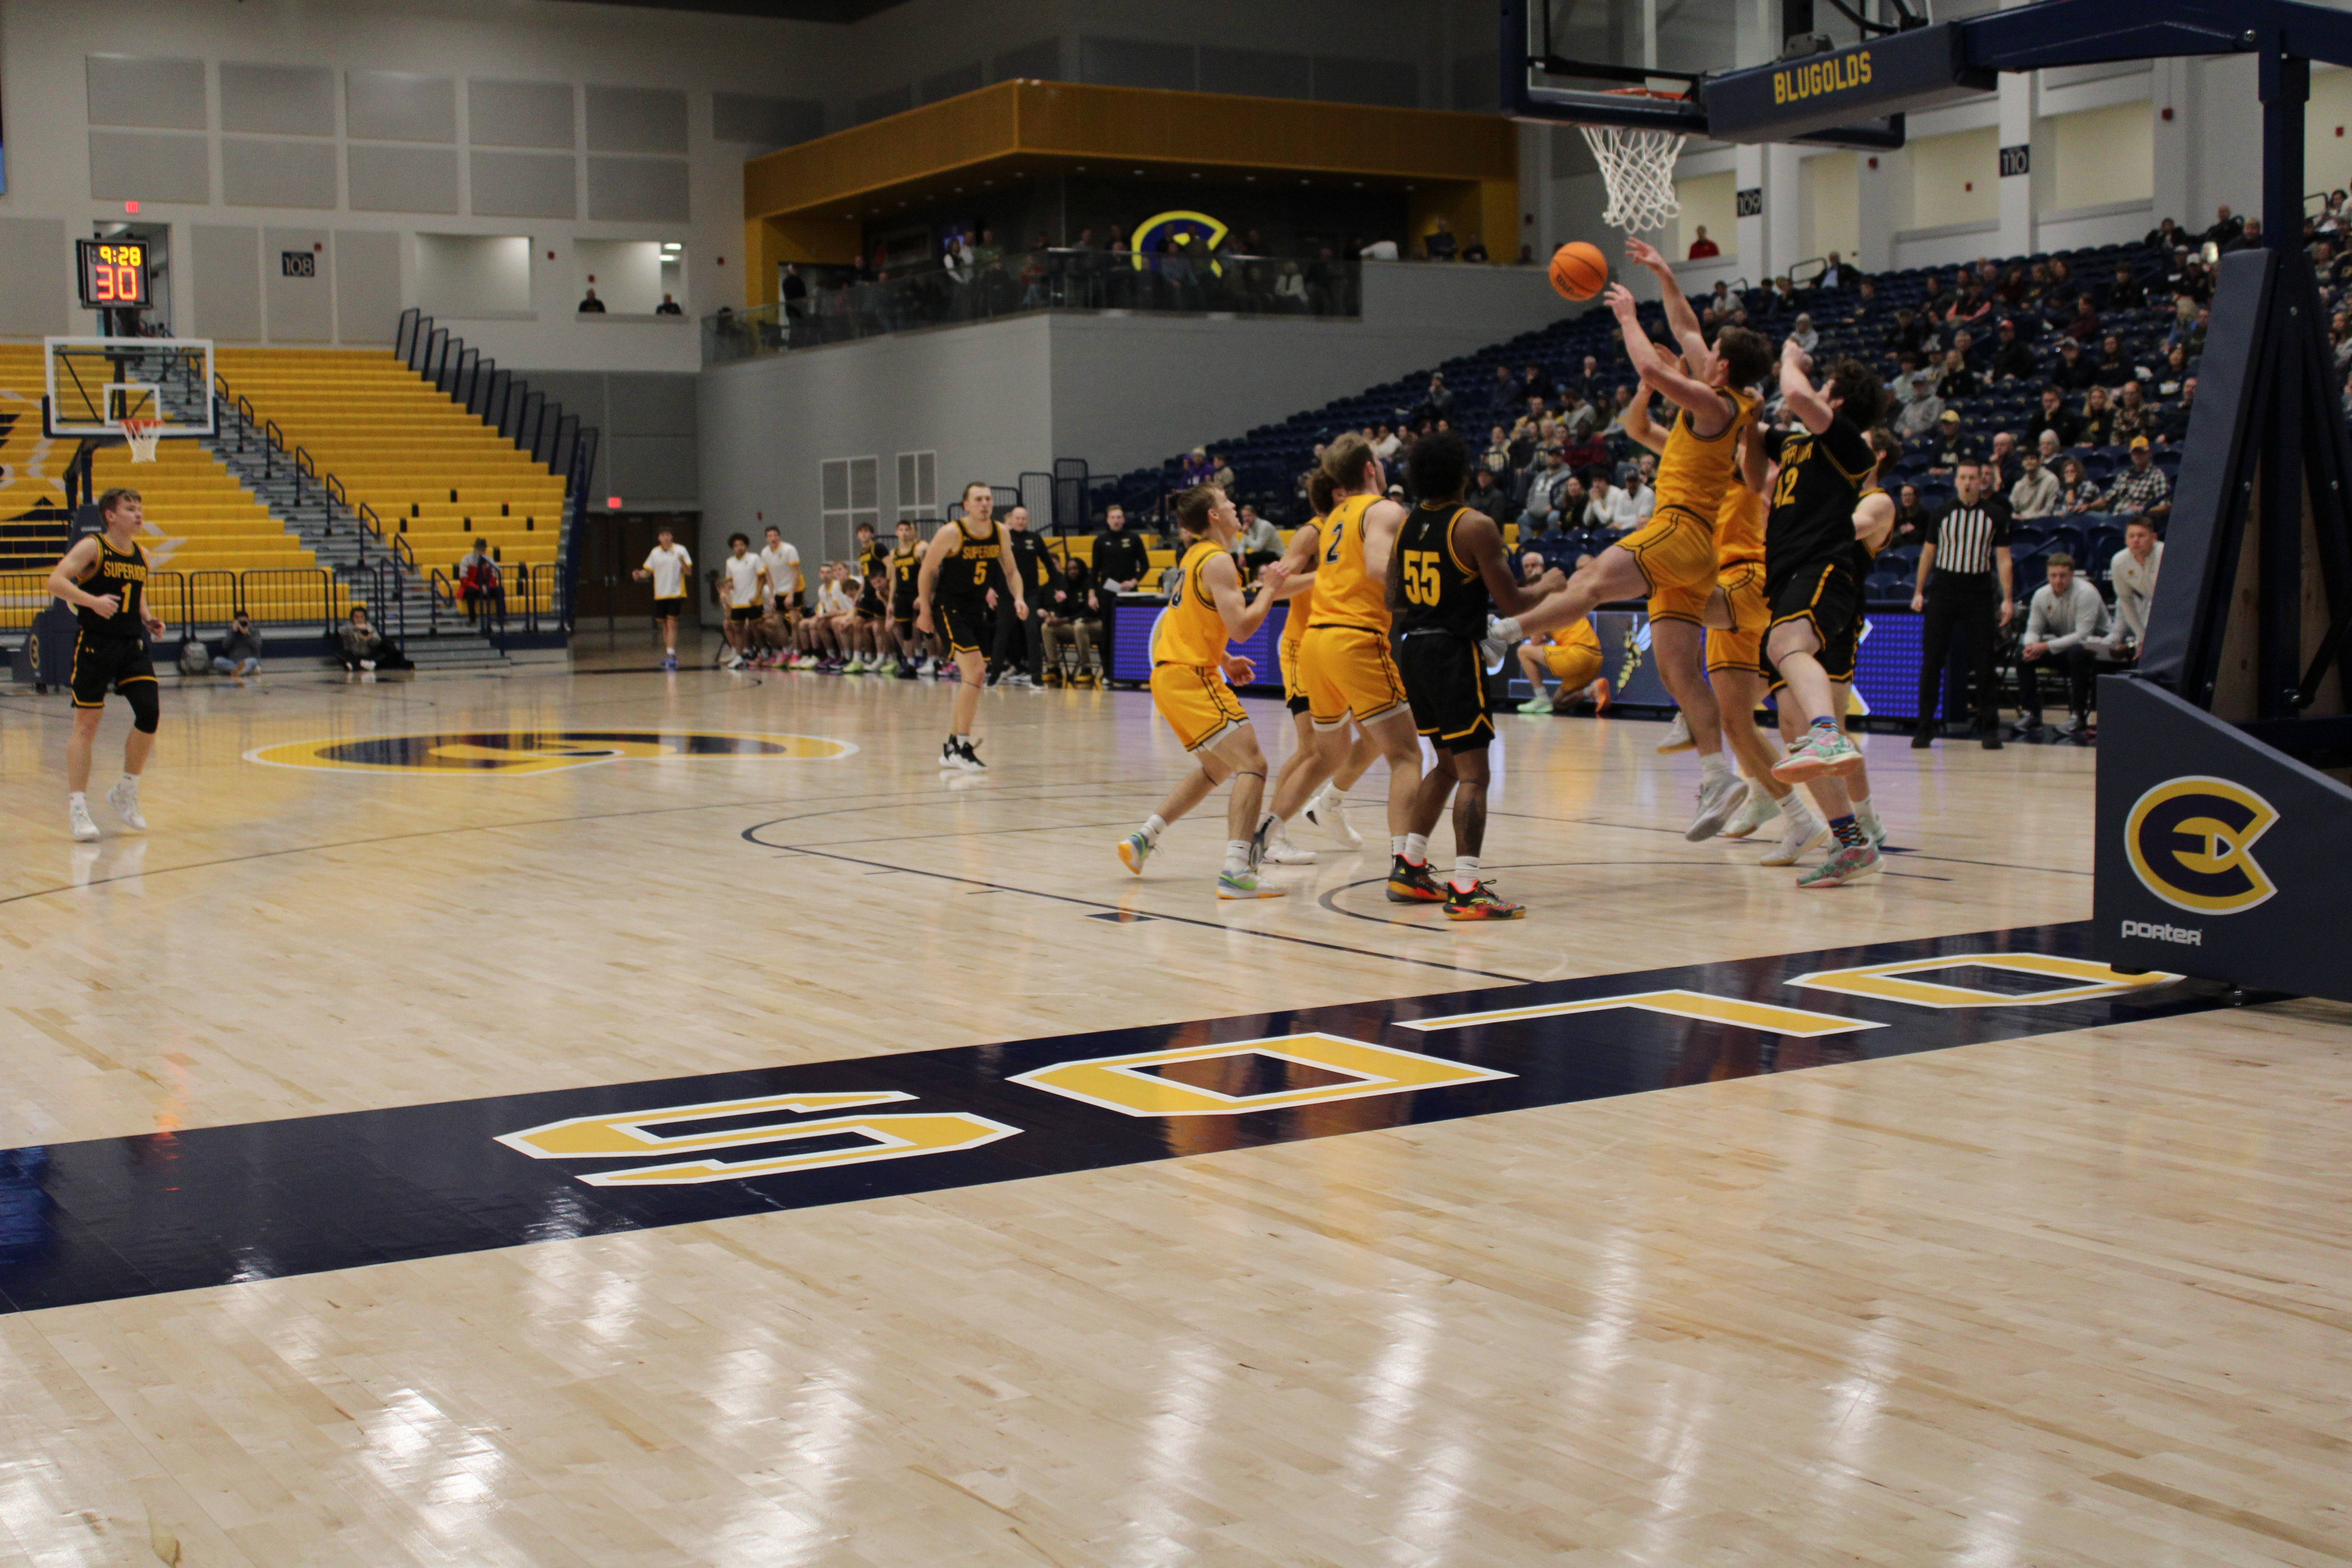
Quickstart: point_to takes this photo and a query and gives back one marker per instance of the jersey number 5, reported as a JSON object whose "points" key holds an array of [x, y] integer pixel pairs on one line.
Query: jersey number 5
{"points": [[1421, 585]]}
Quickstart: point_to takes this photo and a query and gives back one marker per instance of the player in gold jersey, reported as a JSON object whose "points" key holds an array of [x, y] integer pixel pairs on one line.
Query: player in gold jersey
{"points": [[1190, 672], [1325, 808], [1344, 663], [1671, 559]]}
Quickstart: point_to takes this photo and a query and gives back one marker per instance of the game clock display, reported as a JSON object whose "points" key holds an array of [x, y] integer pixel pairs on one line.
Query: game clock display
{"points": [[114, 274]]}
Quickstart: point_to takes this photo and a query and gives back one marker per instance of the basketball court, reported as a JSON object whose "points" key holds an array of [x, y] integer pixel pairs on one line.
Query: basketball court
{"points": [[550, 1108]]}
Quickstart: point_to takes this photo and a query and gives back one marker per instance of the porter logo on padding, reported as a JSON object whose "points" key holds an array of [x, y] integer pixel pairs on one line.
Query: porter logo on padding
{"points": [[476, 753], [2191, 840]]}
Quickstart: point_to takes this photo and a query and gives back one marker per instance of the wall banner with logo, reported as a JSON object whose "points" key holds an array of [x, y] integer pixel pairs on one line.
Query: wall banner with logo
{"points": [[2217, 856]]}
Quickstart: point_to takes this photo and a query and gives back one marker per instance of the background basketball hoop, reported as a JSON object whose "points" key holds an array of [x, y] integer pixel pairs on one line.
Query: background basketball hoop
{"points": [[142, 435], [1638, 166]]}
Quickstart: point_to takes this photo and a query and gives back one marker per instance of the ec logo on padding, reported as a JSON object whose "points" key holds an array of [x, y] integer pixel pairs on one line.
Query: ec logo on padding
{"points": [[2191, 841]]}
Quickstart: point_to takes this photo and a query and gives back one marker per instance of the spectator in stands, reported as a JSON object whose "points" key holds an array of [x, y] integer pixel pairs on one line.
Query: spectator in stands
{"points": [[2055, 415], [1702, 248], [362, 650], [1496, 458], [239, 653], [1592, 381], [1910, 519], [1836, 275], [1572, 497], [1643, 486], [1197, 468], [670, 307], [1503, 393], [2045, 446], [2124, 291], [795, 291], [1220, 474], [2034, 492], [484, 584], [1908, 335], [2249, 238], [1954, 378], [2065, 626], [1121, 561], [1577, 418], [2063, 292], [2114, 369], [1261, 542], [1801, 330], [2131, 416], [1438, 402], [1438, 245], [2074, 372], [591, 305], [1546, 492], [2098, 417], [2000, 465], [2172, 424], [1488, 495], [2140, 490], [1475, 251], [1586, 452], [2164, 236], [1620, 405], [2172, 373], [1865, 300], [2012, 358], [2133, 574], [2077, 493], [1921, 407], [2084, 326], [1533, 386], [1952, 447], [1606, 506]]}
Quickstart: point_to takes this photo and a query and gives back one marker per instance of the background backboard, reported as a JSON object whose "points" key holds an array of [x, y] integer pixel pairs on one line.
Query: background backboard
{"points": [[91, 385]]}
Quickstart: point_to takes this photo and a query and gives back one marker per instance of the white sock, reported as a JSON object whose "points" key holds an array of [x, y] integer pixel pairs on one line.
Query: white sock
{"points": [[1154, 828], [1865, 812], [1397, 841], [129, 784], [1465, 872], [80, 798], [1417, 848], [1236, 856], [1713, 770]]}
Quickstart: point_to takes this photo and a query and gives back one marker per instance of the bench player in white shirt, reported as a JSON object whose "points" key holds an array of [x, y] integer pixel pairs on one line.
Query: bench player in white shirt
{"points": [[787, 596], [666, 569], [744, 582]]}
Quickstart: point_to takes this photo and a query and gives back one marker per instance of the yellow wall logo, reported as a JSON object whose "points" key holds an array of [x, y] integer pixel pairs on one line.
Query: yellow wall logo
{"points": [[471, 752], [1833, 73], [1203, 230], [2190, 842]]}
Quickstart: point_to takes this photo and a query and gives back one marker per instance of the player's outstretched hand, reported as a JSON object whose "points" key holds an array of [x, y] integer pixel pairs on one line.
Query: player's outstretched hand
{"points": [[1275, 576], [1619, 298], [1642, 253], [1239, 671]]}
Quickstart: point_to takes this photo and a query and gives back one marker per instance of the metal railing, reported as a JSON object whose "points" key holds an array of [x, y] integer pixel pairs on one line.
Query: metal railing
{"points": [[1022, 281], [207, 599]]}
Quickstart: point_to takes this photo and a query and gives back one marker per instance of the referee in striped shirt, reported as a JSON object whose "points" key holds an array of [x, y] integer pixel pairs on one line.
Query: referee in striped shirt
{"points": [[1965, 589]]}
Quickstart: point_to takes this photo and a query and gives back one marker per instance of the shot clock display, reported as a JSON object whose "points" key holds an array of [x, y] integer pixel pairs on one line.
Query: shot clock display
{"points": [[114, 274]]}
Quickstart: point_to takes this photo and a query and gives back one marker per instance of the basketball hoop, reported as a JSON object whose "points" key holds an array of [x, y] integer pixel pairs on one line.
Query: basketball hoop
{"points": [[1638, 166], [142, 435]]}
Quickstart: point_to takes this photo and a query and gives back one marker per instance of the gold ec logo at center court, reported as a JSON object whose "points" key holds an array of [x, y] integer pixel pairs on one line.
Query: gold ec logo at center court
{"points": [[507, 751], [2191, 840]]}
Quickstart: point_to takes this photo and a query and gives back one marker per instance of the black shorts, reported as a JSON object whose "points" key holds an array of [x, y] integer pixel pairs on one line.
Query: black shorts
{"points": [[104, 663], [870, 608], [745, 614], [902, 610], [670, 609], [1447, 683], [1826, 594], [969, 628]]}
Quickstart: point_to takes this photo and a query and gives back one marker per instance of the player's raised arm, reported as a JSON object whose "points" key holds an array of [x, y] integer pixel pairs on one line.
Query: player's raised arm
{"points": [[1796, 391], [65, 578], [1638, 426], [1656, 372], [1680, 318]]}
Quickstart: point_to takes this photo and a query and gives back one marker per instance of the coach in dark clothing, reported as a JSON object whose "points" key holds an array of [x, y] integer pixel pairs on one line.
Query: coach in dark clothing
{"points": [[1122, 562], [1964, 590], [1020, 641]]}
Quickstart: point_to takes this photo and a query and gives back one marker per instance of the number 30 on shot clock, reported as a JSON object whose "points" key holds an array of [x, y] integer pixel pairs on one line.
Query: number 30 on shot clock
{"points": [[114, 274]]}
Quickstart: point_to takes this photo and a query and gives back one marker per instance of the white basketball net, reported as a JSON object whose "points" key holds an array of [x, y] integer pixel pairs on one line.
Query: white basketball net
{"points": [[1639, 167], [143, 437]]}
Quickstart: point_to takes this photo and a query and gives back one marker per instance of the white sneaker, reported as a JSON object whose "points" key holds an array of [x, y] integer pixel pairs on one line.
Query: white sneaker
{"points": [[949, 755], [84, 830], [1805, 834], [968, 759], [367, 664], [1282, 852], [1330, 812], [125, 798], [1678, 737], [1759, 809], [1717, 801]]}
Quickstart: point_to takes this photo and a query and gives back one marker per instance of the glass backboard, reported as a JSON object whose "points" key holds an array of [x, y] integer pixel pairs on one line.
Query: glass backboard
{"points": [[92, 384]]}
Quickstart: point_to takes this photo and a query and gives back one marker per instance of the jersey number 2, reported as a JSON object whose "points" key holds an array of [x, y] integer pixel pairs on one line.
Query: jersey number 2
{"points": [[1338, 532]]}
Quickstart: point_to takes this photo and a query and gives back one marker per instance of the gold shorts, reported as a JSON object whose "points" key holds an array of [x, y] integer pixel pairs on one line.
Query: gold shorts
{"points": [[1573, 665], [1350, 669], [1294, 695], [1196, 703], [1676, 552], [1741, 646]]}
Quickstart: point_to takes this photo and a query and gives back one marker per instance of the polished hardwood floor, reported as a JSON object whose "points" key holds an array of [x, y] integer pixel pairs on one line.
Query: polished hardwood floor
{"points": [[2076, 1298]]}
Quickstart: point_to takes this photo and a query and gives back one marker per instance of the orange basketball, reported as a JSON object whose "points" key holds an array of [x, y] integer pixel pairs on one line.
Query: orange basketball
{"points": [[1579, 270]]}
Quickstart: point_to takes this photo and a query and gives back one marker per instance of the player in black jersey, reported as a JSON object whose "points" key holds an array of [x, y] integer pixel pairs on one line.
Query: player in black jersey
{"points": [[962, 577], [905, 566], [1447, 574], [104, 578], [1812, 583]]}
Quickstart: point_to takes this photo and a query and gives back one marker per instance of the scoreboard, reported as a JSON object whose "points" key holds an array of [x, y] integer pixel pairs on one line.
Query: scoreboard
{"points": [[114, 274]]}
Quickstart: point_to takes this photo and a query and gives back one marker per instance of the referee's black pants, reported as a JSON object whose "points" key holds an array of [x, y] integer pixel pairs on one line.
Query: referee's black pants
{"points": [[1962, 609], [1019, 643]]}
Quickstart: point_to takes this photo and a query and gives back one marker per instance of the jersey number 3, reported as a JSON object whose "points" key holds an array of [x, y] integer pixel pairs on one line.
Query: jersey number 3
{"points": [[1421, 586]]}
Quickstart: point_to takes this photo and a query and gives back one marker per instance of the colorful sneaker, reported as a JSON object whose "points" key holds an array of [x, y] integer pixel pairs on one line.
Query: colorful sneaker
{"points": [[1411, 884], [1135, 849], [1678, 738], [1601, 692], [1852, 863], [669, 661], [125, 798], [1246, 885], [1758, 809], [1536, 705], [1717, 801], [1820, 752], [1805, 833], [1480, 903]]}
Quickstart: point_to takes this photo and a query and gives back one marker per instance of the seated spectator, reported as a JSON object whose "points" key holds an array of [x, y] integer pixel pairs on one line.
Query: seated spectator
{"points": [[2098, 417], [238, 652], [2163, 236], [1503, 393], [1910, 519], [2171, 374], [2055, 416], [2066, 627], [1951, 447], [2114, 368], [2034, 492], [1577, 417], [2012, 357], [1976, 351], [1386, 443], [1802, 331], [2000, 465], [2172, 424], [2123, 292], [1921, 409], [2140, 490], [1488, 495], [2249, 238], [1438, 402], [1643, 486], [1703, 248], [1074, 621], [1476, 250], [1607, 507], [1290, 290], [1587, 452], [1197, 468], [2063, 292], [2189, 319], [1121, 560], [1438, 245], [1954, 379], [1261, 544], [2012, 289], [2074, 372], [1908, 335], [591, 305], [670, 307], [2077, 493], [1621, 403], [2132, 416], [2045, 446], [364, 649], [1222, 474], [2133, 573], [483, 583], [1547, 489], [1498, 456], [2085, 327], [1865, 300], [1836, 275]]}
